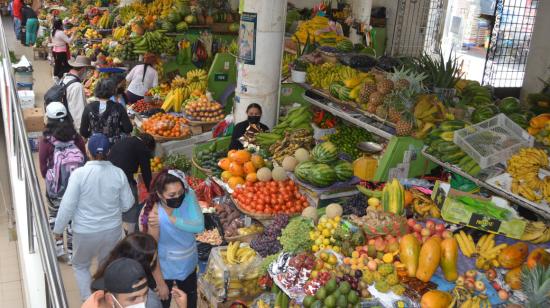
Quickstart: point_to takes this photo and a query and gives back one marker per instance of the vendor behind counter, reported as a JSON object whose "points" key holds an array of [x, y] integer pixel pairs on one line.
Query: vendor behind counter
{"points": [[247, 128]]}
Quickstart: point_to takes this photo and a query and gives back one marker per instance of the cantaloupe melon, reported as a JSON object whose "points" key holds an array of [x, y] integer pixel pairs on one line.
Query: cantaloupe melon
{"points": [[333, 210], [264, 174], [289, 163], [302, 155], [310, 212], [279, 174]]}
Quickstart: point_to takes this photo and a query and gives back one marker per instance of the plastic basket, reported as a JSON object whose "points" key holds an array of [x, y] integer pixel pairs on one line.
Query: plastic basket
{"points": [[492, 141], [320, 133]]}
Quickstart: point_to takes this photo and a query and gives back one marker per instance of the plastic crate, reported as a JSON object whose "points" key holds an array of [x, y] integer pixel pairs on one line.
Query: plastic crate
{"points": [[492, 141], [321, 133]]}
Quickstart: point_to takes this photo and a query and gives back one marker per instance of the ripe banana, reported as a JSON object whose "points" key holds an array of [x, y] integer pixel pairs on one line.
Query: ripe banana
{"points": [[466, 245]]}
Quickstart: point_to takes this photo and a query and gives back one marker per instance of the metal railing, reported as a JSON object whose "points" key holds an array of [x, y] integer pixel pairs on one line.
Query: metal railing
{"points": [[37, 219]]}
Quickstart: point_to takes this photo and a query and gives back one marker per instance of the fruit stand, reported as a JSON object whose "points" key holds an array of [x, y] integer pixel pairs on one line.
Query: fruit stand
{"points": [[388, 183]]}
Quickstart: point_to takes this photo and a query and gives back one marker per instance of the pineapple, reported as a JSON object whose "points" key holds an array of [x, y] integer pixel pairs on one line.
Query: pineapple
{"points": [[382, 112], [385, 86], [366, 91], [407, 79], [404, 127], [536, 286], [379, 76], [371, 108], [402, 84], [394, 114], [376, 98]]}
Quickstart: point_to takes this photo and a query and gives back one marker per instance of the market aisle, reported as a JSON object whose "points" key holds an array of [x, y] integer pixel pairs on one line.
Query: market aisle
{"points": [[42, 82]]}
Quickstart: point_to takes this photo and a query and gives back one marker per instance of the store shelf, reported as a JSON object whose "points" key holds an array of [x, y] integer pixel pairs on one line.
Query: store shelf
{"points": [[540, 209], [370, 123]]}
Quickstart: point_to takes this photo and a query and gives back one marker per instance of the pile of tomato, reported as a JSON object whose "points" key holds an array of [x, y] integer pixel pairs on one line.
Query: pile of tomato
{"points": [[271, 197], [166, 125]]}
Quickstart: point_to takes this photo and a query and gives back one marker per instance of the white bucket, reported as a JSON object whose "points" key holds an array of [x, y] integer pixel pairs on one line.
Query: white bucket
{"points": [[298, 76]]}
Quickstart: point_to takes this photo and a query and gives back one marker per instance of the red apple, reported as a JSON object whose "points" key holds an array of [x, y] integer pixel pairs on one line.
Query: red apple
{"points": [[426, 232], [503, 295], [479, 285], [411, 222], [496, 286], [440, 227], [417, 227], [430, 225], [447, 234], [371, 242], [319, 264], [471, 274], [389, 237], [491, 274], [469, 284], [418, 237]]}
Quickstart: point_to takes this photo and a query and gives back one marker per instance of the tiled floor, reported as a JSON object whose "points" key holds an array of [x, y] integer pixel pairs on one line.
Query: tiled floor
{"points": [[10, 280]]}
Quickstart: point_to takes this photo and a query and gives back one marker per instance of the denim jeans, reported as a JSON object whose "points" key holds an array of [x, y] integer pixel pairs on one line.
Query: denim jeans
{"points": [[17, 27]]}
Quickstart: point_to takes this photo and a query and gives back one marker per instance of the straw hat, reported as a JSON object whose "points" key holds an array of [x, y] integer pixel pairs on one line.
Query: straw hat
{"points": [[80, 61]]}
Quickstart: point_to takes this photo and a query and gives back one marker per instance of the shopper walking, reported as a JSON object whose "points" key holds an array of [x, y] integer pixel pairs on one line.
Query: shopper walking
{"points": [[142, 78], [60, 42], [120, 93], [141, 247], [97, 195], [60, 151], [29, 24], [16, 12], [172, 215], [105, 116], [131, 154]]}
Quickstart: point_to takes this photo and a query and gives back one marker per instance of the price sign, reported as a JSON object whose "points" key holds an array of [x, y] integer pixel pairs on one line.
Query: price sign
{"points": [[220, 77], [484, 223]]}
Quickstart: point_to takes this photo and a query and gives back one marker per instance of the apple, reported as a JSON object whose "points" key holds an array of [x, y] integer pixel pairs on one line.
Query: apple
{"points": [[319, 264], [496, 286], [371, 242], [426, 232], [439, 227], [372, 265], [503, 295], [417, 227], [460, 280], [430, 225], [479, 285], [471, 274], [469, 285], [447, 234], [418, 237], [411, 222], [491, 274], [314, 274], [389, 238]]}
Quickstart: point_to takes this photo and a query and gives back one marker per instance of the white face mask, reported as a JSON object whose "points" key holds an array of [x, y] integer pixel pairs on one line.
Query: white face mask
{"points": [[140, 305]]}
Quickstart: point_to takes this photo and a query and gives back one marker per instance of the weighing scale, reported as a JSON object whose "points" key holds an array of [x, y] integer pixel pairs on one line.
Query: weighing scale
{"points": [[222, 80]]}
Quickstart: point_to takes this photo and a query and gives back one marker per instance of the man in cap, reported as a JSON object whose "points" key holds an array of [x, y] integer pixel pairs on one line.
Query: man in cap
{"points": [[76, 98], [124, 285], [96, 196]]}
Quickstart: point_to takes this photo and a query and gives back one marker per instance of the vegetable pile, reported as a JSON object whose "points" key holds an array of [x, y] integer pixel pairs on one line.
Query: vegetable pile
{"points": [[268, 243], [347, 138], [270, 197], [295, 237], [178, 161], [166, 125]]}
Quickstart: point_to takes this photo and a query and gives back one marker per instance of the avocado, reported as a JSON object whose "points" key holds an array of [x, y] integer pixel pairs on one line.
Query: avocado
{"points": [[345, 288], [353, 298], [321, 293], [342, 301], [331, 285], [330, 301], [308, 301]]}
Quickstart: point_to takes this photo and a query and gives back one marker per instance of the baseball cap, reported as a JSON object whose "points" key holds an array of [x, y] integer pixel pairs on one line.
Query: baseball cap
{"points": [[99, 143], [56, 110], [121, 277]]}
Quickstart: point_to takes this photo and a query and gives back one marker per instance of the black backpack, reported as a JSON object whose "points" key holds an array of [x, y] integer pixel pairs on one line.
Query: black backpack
{"points": [[58, 93]]}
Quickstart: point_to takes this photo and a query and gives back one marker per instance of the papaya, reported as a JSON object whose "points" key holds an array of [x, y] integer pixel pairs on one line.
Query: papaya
{"points": [[436, 299], [429, 257], [538, 256], [409, 250], [513, 278], [449, 257], [513, 255]]}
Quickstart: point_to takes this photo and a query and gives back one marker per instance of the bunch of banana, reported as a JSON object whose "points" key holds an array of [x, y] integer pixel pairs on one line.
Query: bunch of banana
{"points": [[428, 109], [474, 94], [155, 42], [197, 75], [105, 21], [524, 168], [288, 58], [174, 99], [466, 243], [120, 33], [178, 82], [298, 118], [479, 301], [423, 205], [238, 255], [91, 34], [488, 252], [536, 232], [292, 141]]}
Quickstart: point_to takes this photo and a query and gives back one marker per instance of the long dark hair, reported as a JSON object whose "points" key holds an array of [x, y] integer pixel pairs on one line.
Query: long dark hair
{"points": [[57, 25], [138, 246], [157, 188], [63, 131], [254, 105]]}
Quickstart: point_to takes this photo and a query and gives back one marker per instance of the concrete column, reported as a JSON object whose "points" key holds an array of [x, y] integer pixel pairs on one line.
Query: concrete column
{"points": [[538, 61], [259, 82]]}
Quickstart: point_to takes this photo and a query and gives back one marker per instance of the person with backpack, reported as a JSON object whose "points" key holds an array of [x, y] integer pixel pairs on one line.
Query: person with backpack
{"points": [[60, 49], [96, 196], [60, 151], [142, 78], [105, 116], [70, 90], [129, 154]]}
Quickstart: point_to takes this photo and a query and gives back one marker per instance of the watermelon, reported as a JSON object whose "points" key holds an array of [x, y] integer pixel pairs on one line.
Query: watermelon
{"points": [[303, 170], [325, 152], [344, 170], [335, 88], [168, 26], [519, 119], [322, 175], [174, 17], [344, 93], [509, 105], [181, 26]]}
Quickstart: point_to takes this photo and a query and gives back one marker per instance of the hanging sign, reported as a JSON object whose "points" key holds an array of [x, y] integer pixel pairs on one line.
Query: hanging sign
{"points": [[247, 38]]}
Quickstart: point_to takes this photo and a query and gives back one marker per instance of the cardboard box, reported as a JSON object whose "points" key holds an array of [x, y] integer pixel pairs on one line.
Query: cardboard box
{"points": [[26, 98], [34, 119]]}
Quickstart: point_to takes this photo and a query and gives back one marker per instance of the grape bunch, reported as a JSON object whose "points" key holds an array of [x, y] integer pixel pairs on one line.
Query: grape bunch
{"points": [[356, 205], [267, 243]]}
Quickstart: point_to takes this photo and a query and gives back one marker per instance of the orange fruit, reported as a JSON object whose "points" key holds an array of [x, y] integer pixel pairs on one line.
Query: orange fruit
{"points": [[249, 167], [236, 169], [257, 160], [230, 153], [408, 198], [251, 177], [224, 163], [226, 175], [240, 156], [234, 181]]}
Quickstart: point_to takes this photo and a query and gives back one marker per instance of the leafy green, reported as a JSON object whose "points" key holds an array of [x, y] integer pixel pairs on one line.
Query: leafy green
{"points": [[295, 236], [535, 284], [441, 73], [178, 161]]}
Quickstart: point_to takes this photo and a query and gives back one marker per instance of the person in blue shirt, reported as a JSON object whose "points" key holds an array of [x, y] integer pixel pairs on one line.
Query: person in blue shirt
{"points": [[172, 215]]}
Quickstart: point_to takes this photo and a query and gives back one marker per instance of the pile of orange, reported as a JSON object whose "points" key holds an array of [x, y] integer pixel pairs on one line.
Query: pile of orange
{"points": [[239, 167], [166, 125]]}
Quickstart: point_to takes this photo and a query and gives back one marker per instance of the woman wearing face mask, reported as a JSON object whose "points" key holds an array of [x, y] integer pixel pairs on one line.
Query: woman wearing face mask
{"points": [[250, 125], [172, 216]]}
